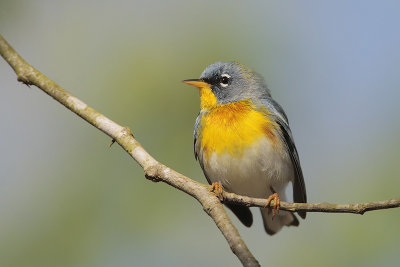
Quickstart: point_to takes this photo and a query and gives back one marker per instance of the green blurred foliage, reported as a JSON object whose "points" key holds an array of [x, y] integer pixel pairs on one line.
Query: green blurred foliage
{"points": [[67, 199]]}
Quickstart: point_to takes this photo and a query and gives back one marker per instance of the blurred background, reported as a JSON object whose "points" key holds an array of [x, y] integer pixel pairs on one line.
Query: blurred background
{"points": [[67, 199]]}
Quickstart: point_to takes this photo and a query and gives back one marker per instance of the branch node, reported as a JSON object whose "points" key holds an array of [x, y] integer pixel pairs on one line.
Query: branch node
{"points": [[25, 80], [152, 173], [112, 142], [362, 210], [127, 131]]}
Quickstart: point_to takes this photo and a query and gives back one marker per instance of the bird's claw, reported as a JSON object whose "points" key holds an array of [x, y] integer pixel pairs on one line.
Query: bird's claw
{"points": [[217, 189], [277, 202]]}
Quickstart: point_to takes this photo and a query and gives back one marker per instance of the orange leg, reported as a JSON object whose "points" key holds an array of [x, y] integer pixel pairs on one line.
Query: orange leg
{"points": [[217, 189], [277, 202]]}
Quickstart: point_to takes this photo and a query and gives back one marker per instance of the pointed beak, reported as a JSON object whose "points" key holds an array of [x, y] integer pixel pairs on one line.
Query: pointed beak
{"points": [[197, 83]]}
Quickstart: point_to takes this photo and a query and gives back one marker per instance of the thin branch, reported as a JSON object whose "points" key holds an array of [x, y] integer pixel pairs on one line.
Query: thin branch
{"points": [[156, 171], [357, 208]]}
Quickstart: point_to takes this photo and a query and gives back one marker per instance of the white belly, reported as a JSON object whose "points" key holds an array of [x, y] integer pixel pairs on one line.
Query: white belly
{"points": [[253, 173]]}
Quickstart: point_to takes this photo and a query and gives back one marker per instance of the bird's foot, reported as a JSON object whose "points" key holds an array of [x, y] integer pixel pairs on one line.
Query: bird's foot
{"points": [[277, 202], [217, 189]]}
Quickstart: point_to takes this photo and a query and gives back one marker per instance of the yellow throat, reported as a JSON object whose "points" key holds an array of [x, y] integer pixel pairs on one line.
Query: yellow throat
{"points": [[207, 98], [233, 127]]}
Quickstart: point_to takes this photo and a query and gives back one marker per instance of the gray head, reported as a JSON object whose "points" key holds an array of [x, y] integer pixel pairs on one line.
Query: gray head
{"points": [[233, 81]]}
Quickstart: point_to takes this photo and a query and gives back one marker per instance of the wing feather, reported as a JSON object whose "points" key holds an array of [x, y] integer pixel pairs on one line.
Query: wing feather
{"points": [[299, 188]]}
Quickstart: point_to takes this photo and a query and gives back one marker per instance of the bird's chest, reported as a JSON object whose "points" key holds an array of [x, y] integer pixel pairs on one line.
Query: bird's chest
{"points": [[258, 167], [233, 128], [240, 149]]}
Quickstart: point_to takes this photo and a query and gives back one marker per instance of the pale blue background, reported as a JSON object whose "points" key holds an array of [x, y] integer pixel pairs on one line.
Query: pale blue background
{"points": [[66, 199]]}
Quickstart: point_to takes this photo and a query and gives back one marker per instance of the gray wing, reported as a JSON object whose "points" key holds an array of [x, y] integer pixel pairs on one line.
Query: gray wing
{"points": [[197, 125], [196, 144], [299, 188]]}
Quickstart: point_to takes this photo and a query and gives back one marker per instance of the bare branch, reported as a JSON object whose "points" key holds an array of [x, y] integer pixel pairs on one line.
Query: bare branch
{"points": [[156, 171], [357, 208]]}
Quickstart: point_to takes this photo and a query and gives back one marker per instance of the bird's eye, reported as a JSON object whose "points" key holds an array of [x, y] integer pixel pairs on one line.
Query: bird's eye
{"points": [[224, 80]]}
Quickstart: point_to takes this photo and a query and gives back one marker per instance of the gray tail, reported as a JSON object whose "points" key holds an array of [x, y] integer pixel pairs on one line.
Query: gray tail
{"points": [[243, 213], [282, 218]]}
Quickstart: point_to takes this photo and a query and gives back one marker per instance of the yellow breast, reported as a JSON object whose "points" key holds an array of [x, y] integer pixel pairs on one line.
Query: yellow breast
{"points": [[231, 128]]}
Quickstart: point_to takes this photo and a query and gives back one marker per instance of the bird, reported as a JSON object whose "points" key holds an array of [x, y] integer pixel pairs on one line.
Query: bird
{"points": [[243, 143]]}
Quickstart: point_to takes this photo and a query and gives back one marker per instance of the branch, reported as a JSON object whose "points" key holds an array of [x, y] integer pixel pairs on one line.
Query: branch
{"points": [[157, 172], [357, 208], [153, 169]]}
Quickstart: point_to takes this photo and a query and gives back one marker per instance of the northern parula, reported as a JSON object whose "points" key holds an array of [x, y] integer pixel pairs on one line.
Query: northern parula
{"points": [[243, 142]]}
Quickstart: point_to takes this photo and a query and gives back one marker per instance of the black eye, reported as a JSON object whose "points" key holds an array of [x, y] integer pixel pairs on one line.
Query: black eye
{"points": [[224, 80]]}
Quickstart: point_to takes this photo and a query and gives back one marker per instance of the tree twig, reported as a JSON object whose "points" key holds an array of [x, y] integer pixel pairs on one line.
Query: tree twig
{"points": [[156, 171], [356, 208]]}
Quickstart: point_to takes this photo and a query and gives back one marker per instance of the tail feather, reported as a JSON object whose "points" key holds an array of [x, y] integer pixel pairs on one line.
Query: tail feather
{"points": [[274, 224], [243, 213]]}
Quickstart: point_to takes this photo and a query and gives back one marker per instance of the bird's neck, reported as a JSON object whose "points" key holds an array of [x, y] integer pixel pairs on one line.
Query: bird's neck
{"points": [[207, 99]]}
